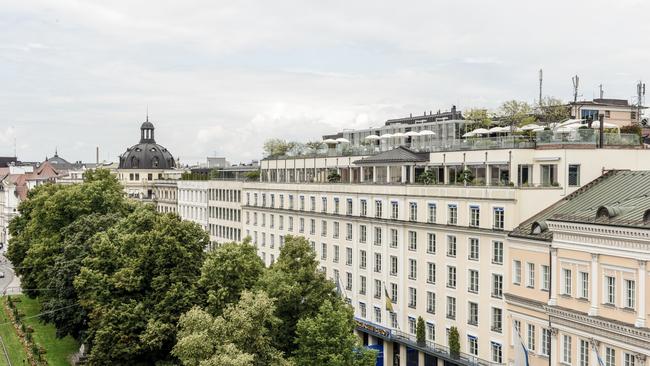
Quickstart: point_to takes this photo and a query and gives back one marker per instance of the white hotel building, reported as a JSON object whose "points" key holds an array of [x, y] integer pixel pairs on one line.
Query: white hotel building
{"points": [[440, 250]]}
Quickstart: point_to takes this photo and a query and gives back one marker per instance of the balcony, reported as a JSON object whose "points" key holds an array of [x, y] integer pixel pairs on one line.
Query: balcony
{"points": [[428, 347]]}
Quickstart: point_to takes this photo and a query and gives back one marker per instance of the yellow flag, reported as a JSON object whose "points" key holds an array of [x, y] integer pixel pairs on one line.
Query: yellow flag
{"points": [[389, 304]]}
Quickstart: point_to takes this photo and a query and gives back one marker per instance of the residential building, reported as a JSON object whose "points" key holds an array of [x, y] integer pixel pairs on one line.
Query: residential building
{"points": [[616, 111], [193, 201]]}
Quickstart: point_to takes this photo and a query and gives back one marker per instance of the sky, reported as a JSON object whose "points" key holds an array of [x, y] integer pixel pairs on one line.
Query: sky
{"points": [[221, 77]]}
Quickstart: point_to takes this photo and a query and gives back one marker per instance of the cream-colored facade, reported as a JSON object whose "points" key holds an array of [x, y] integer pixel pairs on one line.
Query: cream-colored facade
{"points": [[225, 211], [166, 196]]}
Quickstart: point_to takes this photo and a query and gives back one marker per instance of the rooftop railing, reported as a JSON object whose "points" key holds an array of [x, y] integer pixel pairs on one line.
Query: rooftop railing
{"points": [[576, 137]]}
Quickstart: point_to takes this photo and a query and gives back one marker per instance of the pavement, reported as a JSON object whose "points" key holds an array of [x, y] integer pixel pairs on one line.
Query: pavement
{"points": [[10, 284]]}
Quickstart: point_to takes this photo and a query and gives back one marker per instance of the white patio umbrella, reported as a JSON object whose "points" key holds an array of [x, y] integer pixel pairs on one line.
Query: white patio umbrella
{"points": [[563, 130], [427, 133], [399, 134], [480, 131], [386, 136], [468, 134], [508, 129], [329, 141], [412, 134], [495, 130], [342, 140], [529, 127], [372, 137]]}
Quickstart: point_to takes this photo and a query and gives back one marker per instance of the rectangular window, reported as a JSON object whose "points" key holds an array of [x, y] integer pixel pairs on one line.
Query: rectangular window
{"points": [[413, 211], [393, 238], [630, 294], [378, 209], [497, 353], [413, 240], [412, 297], [348, 256], [531, 337], [432, 213], [323, 228], [363, 210], [546, 278], [452, 214], [574, 175], [362, 309], [335, 230], [497, 286], [348, 208], [377, 236], [472, 313], [568, 282], [472, 345], [584, 285], [348, 281], [336, 205], [302, 203], [516, 272], [378, 262], [393, 265], [377, 314], [323, 254], [630, 359], [291, 202], [474, 216], [610, 356], [546, 342], [498, 218], [362, 259], [451, 276], [324, 205], [451, 246], [431, 302], [549, 174], [431, 272], [431, 243], [394, 210], [312, 203], [610, 290], [378, 289], [336, 254], [566, 349], [431, 332], [583, 357], [393, 320], [393, 293], [531, 275], [473, 249], [413, 269], [348, 231], [473, 281], [497, 252], [451, 307], [363, 233], [412, 325], [362, 285], [497, 319]]}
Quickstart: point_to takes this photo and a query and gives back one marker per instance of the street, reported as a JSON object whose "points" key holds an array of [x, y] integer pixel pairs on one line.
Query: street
{"points": [[10, 284]]}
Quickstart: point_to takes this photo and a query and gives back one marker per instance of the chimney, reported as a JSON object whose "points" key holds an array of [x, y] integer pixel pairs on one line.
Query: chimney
{"points": [[601, 130], [453, 112], [410, 114], [97, 155]]}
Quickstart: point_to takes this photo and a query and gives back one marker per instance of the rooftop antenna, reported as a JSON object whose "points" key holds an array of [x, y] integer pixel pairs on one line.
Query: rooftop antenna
{"points": [[576, 84], [147, 112], [640, 95], [541, 77], [601, 90]]}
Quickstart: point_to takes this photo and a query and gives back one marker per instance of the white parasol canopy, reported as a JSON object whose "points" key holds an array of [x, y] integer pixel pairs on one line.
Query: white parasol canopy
{"points": [[386, 136], [329, 141], [530, 126], [412, 134], [399, 134], [372, 137], [342, 140], [495, 130], [468, 134], [427, 133], [480, 131]]}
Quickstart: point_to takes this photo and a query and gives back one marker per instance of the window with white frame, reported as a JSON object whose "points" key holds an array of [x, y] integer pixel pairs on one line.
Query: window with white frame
{"points": [[516, 272], [431, 217], [413, 269], [413, 240], [413, 211], [431, 332], [583, 353], [473, 249], [378, 232], [393, 293], [393, 265], [348, 231], [451, 276], [610, 356], [362, 285], [323, 228], [431, 272], [452, 214], [324, 205], [472, 345], [393, 238], [348, 281], [497, 252], [584, 285], [474, 216], [497, 352], [412, 297], [336, 205], [393, 320], [499, 218], [630, 294], [323, 254], [473, 281], [312, 203], [348, 256], [335, 230], [497, 285], [629, 359], [378, 262], [363, 209], [362, 259], [378, 289], [451, 245], [531, 275], [566, 349], [348, 206], [394, 213], [412, 325], [497, 319], [431, 302], [610, 290], [567, 281], [546, 278], [377, 314], [378, 209], [546, 342], [363, 233], [451, 307], [472, 313], [531, 337], [362, 309], [312, 226], [336, 254], [431, 243]]}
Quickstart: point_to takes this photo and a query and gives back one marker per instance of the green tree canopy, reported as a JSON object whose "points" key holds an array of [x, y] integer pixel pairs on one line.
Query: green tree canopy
{"points": [[478, 115], [328, 338], [137, 280], [516, 113], [553, 110], [277, 147], [298, 287], [240, 336], [226, 272]]}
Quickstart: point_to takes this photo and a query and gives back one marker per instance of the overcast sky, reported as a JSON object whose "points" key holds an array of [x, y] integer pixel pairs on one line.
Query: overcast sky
{"points": [[220, 77]]}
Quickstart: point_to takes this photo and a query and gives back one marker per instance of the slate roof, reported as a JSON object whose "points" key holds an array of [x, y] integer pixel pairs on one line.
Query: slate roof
{"points": [[617, 198], [399, 154]]}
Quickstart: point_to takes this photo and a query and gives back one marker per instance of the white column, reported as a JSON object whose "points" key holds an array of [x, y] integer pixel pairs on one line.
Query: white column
{"points": [[593, 310], [403, 180], [387, 173], [555, 356], [350, 172], [402, 355], [388, 353], [643, 274], [555, 274], [412, 180], [361, 174], [374, 174]]}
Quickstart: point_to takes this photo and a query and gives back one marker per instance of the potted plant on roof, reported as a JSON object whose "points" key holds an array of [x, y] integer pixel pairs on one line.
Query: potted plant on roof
{"points": [[454, 343], [420, 332]]}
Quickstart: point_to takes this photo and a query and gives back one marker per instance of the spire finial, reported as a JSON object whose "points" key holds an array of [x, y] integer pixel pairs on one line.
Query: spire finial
{"points": [[147, 112], [56, 151]]}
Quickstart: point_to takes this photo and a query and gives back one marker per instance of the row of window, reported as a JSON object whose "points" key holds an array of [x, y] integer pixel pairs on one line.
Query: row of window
{"points": [[224, 195], [498, 216], [225, 232], [628, 300], [224, 213], [585, 350]]}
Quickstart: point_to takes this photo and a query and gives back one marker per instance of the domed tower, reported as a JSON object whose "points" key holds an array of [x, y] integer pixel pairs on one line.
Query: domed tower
{"points": [[143, 163]]}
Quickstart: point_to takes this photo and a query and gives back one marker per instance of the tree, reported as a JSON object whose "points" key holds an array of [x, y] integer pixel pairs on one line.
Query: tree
{"points": [[553, 110], [137, 280], [516, 113], [328, 338], [226, 272], [333, 176], [239, 337], [314, 146], [277, 147], [252, 176], [298, 287], [632, 129], [454, 342], [478, 115], [427, 177], [420, 332]]}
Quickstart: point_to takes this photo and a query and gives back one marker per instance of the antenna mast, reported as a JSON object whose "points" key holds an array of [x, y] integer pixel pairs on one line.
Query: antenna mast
{"points": [[601, 91], [640, 94], [541, 76], [576, 84]]}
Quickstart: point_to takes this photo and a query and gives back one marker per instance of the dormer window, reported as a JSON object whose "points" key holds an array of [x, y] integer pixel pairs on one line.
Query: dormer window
{"points": [[646, 217], [538, 227]]}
